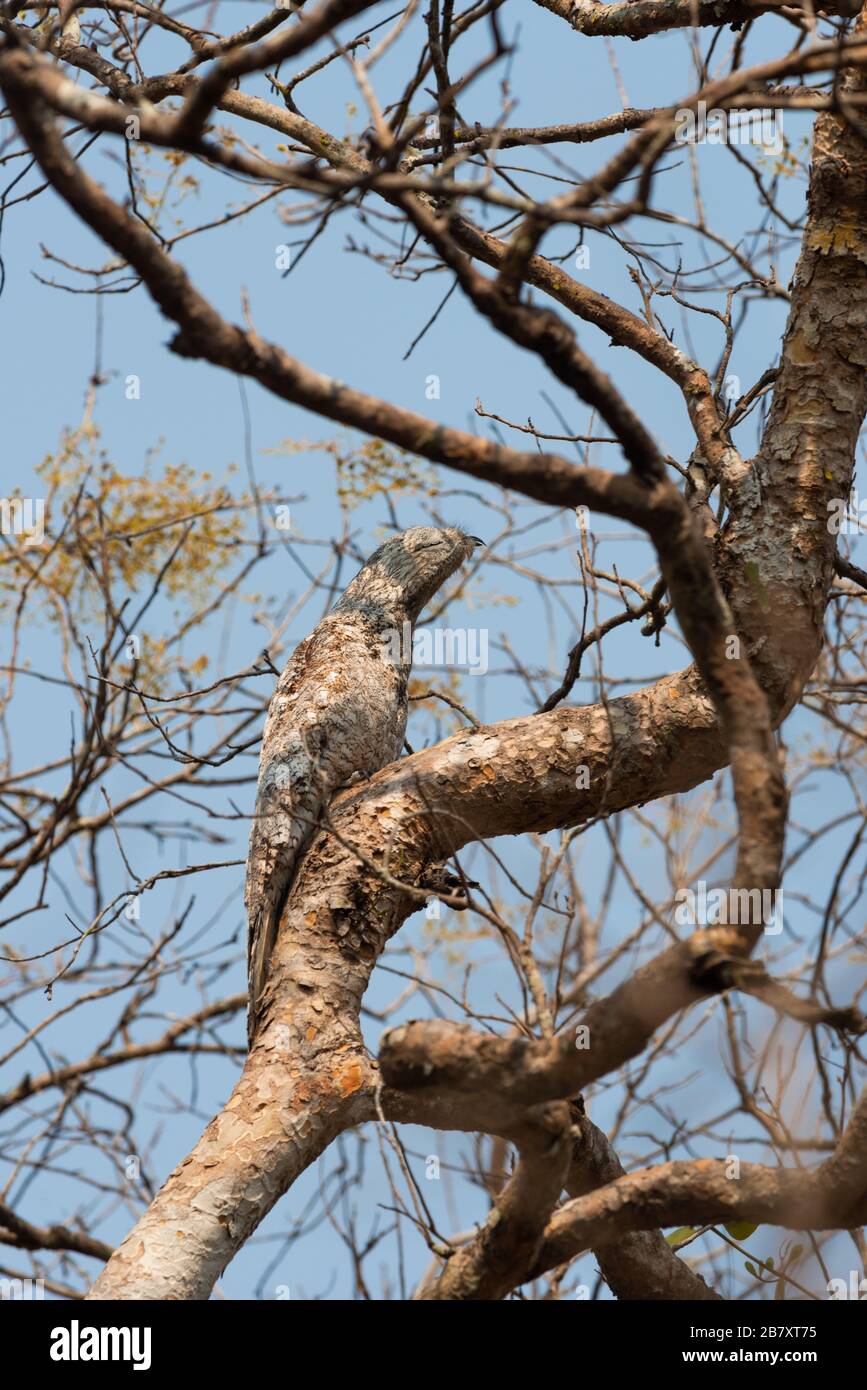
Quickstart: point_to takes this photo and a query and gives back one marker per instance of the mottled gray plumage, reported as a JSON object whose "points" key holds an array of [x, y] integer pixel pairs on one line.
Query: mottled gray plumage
{"points": [[339, 709]]}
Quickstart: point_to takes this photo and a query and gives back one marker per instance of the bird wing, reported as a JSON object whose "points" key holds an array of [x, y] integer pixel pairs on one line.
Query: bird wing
{"points": [[339, 708]]}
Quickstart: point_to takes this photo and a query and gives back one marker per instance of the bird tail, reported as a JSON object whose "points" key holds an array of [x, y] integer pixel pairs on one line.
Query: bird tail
{"points": [[262, 935]]}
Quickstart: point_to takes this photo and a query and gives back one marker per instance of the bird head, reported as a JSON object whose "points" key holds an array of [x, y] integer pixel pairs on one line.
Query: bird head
{"points": [[405, 572]]}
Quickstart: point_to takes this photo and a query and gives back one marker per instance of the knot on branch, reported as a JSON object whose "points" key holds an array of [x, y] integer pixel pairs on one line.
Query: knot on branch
{"points": [[435, 1052], [713, 971]]}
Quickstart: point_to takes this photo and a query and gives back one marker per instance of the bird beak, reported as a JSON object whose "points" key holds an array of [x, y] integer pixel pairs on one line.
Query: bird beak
{"points": [[477, 540]]}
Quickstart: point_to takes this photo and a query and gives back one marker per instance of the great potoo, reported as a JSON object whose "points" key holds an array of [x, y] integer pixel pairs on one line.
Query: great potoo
{"points": [[338, 712]]}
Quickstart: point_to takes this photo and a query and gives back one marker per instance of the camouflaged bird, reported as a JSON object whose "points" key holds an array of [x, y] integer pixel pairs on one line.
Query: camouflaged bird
{"points": [[338, 714]]}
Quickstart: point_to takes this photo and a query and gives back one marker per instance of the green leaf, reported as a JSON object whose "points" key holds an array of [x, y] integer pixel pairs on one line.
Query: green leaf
{"points": [[751, 1269], [681, 1236], [741, 1230]]}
